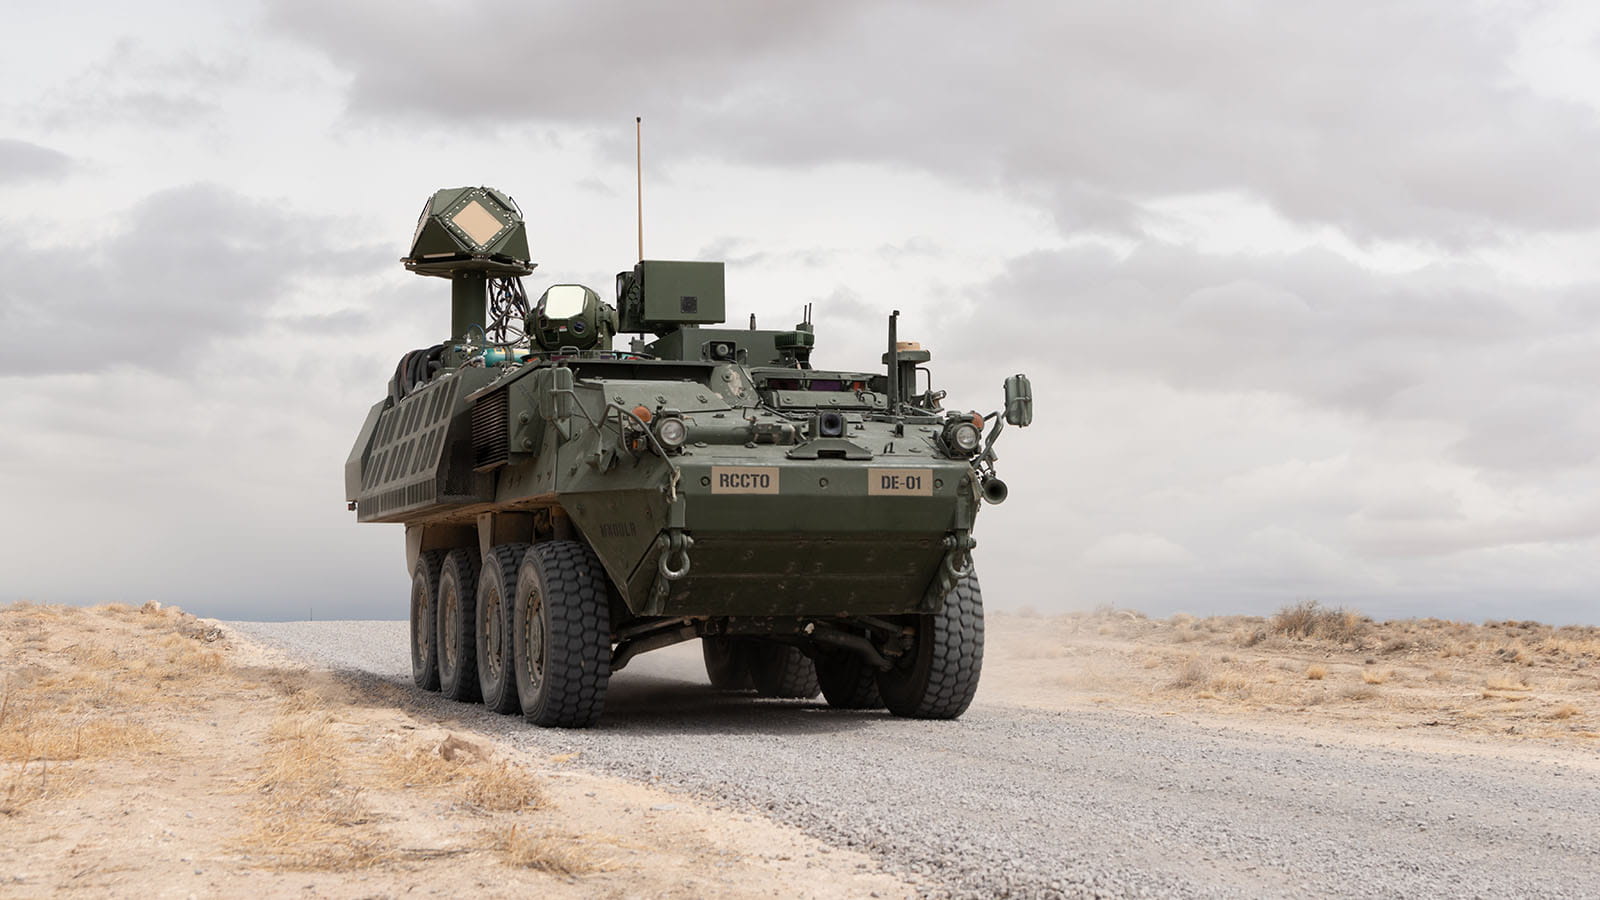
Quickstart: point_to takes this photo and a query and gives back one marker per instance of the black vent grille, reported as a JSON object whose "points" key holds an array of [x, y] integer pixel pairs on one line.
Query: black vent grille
{"points": [[491, 431]]}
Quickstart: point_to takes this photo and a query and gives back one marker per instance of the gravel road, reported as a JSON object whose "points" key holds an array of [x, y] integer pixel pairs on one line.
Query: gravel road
{"points": [[1015, 802]]}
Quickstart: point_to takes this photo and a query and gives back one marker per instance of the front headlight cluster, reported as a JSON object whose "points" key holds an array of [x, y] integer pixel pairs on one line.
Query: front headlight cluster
{"points": [[961, 437], [671, 431]]}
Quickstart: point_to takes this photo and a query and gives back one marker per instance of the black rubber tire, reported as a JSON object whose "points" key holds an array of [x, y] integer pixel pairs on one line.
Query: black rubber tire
{"points": [[424, 619], [727, 662], [458, 617], [937, 679], [497, 589], [780, 670], [562, 635], [847, 681]]}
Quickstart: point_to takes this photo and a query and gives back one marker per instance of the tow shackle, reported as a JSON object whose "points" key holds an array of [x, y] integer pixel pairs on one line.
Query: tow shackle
{"points": [[675, 547]]}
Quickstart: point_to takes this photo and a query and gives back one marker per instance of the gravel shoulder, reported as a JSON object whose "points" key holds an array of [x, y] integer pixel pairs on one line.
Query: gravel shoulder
{"points": [[1019, 801]]}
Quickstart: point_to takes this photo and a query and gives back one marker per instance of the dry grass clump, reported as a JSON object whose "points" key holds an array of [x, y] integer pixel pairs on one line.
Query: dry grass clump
{"points": [[1316, 672], [1308, 619], [504, 787], [547, 851], [32, 781], [309, 814], [1194, 673], [1564, 711], [1373, 676], [1200, 675], [482, 782], [1507, 682]]}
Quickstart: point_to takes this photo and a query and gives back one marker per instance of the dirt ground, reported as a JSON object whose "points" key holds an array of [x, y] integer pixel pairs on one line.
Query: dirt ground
{"points": [[148, 753], [144, 752], [1510, 688]]}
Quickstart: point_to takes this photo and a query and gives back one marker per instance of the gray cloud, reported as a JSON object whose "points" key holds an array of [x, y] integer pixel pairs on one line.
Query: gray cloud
{"points": [[136, 84], [1400, 121], [184, 267], [21, 161], [1451, 343]]}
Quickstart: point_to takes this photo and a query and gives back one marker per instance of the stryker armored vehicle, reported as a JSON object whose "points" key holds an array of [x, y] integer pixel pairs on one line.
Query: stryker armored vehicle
{"points": [[569, 505]]}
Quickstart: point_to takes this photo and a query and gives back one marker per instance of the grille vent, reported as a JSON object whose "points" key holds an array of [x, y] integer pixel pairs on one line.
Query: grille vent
{"points": [[491, 431]]}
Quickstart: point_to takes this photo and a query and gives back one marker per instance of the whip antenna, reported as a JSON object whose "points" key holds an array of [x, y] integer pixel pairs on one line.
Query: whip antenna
{"points": [[638, 175]]}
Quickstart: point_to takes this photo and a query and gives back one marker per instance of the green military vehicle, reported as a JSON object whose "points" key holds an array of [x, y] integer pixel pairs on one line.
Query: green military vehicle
{"points": [[569, 505]]}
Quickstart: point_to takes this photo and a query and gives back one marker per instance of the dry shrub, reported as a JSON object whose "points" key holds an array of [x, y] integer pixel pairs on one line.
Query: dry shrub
{"points": [[1373, 676], [1231, 683], [547, 851], [1564, 711], [1194, 673], [1316, 672], [1309, 619]]}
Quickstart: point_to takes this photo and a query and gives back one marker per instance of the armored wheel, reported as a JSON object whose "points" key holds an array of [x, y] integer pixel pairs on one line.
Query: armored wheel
{"points": [[497, 588], [458, 601], [847, 681], [779, 670], [727, 662], [424, 619], [561, 635], [937, 678]]}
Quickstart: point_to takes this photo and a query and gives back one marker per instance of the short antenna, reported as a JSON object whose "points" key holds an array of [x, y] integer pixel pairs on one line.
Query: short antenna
{"points": [[638, 176]]}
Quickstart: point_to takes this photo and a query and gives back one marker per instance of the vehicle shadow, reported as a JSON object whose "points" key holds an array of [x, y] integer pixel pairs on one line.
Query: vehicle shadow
{"points": [[638, 704]]}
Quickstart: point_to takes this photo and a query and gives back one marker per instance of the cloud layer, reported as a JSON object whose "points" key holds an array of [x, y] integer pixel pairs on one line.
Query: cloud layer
{"points": [[1303, 288], [1397, 121]]}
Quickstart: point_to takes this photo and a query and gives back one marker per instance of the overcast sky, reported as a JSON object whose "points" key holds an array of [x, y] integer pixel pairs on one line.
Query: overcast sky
{"points": [[1309, 292]]}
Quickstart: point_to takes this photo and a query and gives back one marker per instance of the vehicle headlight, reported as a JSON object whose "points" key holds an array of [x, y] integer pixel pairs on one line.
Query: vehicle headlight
{"points": [[962, 438], [671, 431]]}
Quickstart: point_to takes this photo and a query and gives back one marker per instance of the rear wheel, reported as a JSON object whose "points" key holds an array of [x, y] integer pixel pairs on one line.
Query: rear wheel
{"points": [[847, 681], [937, 679], [424, 619], [497, 588], [458, 650], [561, 635], [727, 662], [780, 670]]}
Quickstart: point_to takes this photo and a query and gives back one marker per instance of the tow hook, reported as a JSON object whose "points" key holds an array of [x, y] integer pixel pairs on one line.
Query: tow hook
{"points": [[675, 547], [958, 554]]}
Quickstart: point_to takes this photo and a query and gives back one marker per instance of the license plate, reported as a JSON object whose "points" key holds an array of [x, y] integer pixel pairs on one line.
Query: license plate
{"points": [[900, 482], [744, 479]]}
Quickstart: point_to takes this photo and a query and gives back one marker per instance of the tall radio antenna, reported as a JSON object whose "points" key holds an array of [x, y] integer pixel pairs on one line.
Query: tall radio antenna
{"points": [[638, 176]]}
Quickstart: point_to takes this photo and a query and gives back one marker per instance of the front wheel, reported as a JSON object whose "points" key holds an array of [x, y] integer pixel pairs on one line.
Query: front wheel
{"points": [[937, 679], [561, 635]]}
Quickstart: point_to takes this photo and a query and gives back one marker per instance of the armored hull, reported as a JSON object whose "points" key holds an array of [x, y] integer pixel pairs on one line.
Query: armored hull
{"points": [[567, 505]]}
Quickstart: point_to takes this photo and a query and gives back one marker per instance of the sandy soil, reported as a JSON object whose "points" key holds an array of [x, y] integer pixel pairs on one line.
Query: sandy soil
{"points": [[151, 754], [1511, 689]]}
